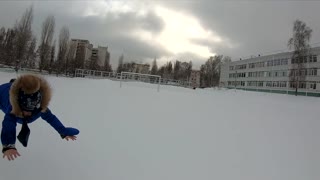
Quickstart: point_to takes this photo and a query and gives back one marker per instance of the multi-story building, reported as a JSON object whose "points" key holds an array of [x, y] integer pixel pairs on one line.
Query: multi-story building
{"points": [[95, 55], [273, 73], [100, 55], [195, 78], [83, 52]]}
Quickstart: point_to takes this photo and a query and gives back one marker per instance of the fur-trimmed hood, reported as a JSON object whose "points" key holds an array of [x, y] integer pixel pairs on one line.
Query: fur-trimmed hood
{"points": [[29, 83]]}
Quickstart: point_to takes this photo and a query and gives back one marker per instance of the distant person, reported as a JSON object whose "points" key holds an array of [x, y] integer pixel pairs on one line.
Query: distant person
{"points": [[24, 100]]}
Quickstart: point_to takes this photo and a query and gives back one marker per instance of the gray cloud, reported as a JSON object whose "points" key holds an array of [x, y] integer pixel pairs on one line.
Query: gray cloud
{"points": [[114, 33], [256, 27], [153, 23], [251, 27], [135, 50]]}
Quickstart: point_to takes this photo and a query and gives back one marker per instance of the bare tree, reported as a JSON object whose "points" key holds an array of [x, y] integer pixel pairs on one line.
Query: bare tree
{"points": [[176, 70], [46, 41], [70, 58], [120, 65], [154, 68], [166, 70], [2, 41], [63, 49], [209, 71], [300, 44], [181, 70], [169, 70], [23, 36], [8, 47], [52, 57], [188, 70], [93, 64], [130, 67], [31, 54], [226, 59], [2, 34], [107, 65]]}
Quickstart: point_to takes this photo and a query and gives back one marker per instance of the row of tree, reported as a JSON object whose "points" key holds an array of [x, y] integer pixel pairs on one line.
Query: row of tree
{"points": [[19, 47], [180, 70]]}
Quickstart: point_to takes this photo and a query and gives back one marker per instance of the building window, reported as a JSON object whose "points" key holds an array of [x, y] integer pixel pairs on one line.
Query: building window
{"points": [[312, 72], [277, 62], [250, 83], [302, 85], [260, 64], [254, 74], [284, 61], [283, 84], [284, 73], [314, 58], [255, 83], [313, 85], [269, 74], [292, 84], [305, 59], [269, 83], [244, 66], [303, 72], [230, 67]]}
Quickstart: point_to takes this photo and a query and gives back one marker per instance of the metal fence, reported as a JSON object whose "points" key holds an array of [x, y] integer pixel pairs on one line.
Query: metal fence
{"points": [[84, 73]]}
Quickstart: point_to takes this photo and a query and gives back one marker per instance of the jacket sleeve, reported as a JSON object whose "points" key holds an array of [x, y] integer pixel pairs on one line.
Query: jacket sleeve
{"points": [[53, 121], [8, 132]]}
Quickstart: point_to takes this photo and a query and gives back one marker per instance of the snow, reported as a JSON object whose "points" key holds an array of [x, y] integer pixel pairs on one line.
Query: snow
{"points": [[137, 133]]}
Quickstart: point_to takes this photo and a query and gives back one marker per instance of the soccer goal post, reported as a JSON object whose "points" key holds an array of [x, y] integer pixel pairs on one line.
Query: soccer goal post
{"points": [[148, 78]]}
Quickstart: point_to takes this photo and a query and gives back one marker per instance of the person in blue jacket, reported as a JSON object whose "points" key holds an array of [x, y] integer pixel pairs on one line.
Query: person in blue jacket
{"points": [[24, 100]]}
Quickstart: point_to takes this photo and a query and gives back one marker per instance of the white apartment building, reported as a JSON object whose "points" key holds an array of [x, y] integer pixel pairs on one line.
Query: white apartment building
{"points": [[271, 73], [101, 55]]}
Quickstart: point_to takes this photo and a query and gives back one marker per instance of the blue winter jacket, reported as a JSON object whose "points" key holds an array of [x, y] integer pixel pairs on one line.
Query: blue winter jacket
{"points": [[8, 132]]}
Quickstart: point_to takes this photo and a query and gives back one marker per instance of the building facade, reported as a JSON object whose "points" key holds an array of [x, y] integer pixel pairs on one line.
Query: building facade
{"points": [[100, 55], [195, 78], [273, 73], [83, 52]]}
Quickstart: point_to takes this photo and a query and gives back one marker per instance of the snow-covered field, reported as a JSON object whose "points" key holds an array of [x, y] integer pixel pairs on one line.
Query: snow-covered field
{"points": [[137, 133]]}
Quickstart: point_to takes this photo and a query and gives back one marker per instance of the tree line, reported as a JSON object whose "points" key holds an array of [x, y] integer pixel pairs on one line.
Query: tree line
{"points": [[181, 70], [20, 48]]}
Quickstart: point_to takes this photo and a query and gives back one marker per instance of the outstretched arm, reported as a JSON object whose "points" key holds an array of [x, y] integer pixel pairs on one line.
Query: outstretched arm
{"points": [[65, 132]]}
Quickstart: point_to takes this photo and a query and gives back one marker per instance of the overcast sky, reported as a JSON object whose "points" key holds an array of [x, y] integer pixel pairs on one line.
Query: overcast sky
{"points": [[174, 29]]}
